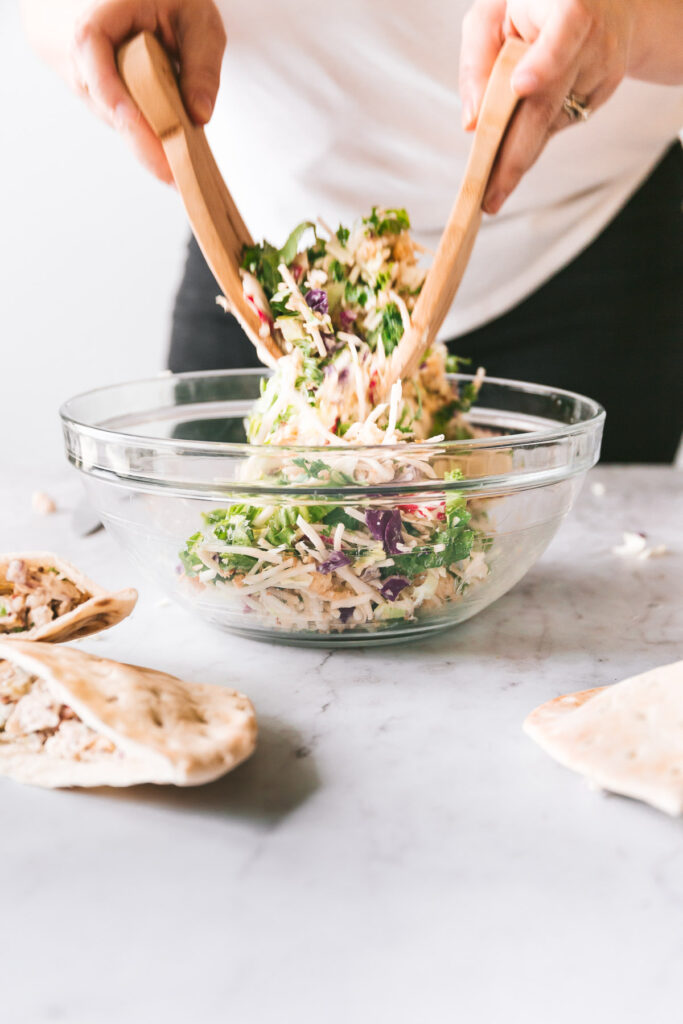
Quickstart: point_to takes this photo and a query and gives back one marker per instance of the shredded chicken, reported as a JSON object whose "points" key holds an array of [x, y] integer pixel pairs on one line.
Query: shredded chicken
{"points": [[32, 596], [29, 713]]}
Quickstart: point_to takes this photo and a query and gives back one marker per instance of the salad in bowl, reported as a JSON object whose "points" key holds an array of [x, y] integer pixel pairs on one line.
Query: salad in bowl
{"points": [[320, 503], [342, 302]]}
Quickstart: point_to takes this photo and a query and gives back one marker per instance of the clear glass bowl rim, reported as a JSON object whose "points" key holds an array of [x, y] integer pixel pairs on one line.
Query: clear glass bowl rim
{"points": [[70, 417]]}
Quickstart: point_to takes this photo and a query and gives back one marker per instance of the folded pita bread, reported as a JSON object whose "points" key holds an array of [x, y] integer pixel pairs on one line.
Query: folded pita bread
{"points": [[626, 738], [57, 601], [68, 718]]}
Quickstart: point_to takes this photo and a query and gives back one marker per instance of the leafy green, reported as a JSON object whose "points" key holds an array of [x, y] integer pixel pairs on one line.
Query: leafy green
{"points": [[314, 467], [337, 272], [291, 246], [282, 526], [284, 416], [391, 327], [219, 515], [244, 525], [233, 526], [312, 371], [443, 416], [388, 222], [456, 503], [316, 252], [453, 363], [456, 537], [457, 547], [343, 234], [468, 395], [383, 278], [262, 260], [279, 308], [236, 563], [357, 294], [190, 562], [337, 515]]}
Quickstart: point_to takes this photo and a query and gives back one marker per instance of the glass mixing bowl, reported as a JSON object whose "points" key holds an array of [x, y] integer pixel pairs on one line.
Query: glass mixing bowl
{"points": [[336, 545]]}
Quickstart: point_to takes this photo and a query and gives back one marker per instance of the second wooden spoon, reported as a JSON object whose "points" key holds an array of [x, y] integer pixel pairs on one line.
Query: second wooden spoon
{"points": [[457, 241]]}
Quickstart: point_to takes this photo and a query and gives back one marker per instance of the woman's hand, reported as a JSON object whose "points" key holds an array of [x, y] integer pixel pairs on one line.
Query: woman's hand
{"points": [[191, 30], [578, 46]]}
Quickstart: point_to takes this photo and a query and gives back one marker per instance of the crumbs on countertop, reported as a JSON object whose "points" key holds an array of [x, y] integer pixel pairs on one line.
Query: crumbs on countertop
{"points": [[43, 504], [634, 545]]}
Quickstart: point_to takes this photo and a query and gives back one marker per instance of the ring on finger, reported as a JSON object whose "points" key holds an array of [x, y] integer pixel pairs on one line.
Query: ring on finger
{"points": [[576, 108]]}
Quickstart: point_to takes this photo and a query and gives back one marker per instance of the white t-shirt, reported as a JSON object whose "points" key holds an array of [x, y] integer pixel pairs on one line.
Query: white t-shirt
{"points": [[328, 107]]}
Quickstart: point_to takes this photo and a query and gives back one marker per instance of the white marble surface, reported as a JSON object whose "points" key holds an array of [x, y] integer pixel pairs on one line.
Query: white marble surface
{"points": [[396, 850]]}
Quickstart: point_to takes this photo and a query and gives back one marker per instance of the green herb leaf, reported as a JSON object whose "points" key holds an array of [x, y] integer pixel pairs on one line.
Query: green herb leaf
{"points": [[337, 515], [391, 327], [453, 363], [388, 222], [443, 416], [291, 246], [337, 272], [262, 261], [357, 294], [313, 469]]}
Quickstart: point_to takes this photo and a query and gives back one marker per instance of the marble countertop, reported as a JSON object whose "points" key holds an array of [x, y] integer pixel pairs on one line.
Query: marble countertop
{"points": [[396, 850]]}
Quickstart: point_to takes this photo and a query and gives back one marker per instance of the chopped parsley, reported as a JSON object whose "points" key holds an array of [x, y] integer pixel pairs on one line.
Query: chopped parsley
{"points": [[388, 222]]}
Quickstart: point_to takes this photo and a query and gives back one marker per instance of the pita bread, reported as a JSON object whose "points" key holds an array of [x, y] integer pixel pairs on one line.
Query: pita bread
{"points": [[626, 738], [124, 724], [98, 608]]}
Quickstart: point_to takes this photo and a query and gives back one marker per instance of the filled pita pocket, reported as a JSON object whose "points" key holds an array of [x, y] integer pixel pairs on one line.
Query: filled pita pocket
{"points": [[68, 718], [626, 738], [42, 597]]}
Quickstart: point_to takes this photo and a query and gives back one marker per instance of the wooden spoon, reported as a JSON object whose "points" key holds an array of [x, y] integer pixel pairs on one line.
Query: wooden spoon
{"points": [[217, 225], [457, 241]]}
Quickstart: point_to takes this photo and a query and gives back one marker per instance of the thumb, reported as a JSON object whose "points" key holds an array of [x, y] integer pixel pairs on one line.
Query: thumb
{"points": [[201, 44], [482, 38]]}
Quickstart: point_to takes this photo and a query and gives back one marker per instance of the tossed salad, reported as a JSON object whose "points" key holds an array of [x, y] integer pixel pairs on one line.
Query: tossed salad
{"points": [[341, 301]]}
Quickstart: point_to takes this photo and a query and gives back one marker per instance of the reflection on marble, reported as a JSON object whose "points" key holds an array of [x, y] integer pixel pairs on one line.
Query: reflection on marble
{"points": [[397, 850]]}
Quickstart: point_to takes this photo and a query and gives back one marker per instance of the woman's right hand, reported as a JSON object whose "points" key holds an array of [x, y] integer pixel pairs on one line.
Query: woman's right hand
{"points": [[191, 30]]}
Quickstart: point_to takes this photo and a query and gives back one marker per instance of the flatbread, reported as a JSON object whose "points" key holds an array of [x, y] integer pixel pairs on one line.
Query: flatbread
{"points": [[100, 609], [626, 738], [151, 727]]}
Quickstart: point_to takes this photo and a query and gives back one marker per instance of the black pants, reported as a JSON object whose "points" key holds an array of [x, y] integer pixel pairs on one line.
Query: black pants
{"points": [[609, 325]]}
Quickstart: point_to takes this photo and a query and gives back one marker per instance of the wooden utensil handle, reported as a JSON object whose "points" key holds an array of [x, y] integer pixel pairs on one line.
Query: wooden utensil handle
{"points": [[217, 225], [149, 76], [457, 241]]}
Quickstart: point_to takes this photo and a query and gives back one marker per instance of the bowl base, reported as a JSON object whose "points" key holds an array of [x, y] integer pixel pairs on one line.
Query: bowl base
{"points": [[340, 640]]}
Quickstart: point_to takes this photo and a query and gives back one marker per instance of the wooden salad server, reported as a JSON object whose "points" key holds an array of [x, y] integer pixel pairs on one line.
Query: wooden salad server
{"points": [[457, 241], [217, 225]]}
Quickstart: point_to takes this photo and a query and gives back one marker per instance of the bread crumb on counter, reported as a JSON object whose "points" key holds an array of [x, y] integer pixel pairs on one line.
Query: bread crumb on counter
{"points": [[43, 504]]}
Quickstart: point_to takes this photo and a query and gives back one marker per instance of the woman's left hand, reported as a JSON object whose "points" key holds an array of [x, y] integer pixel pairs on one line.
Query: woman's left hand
{"points": [[580, 47]]}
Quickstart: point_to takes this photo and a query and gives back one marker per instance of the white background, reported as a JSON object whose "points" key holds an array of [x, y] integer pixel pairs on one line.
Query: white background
{"points": [[91, 249]]}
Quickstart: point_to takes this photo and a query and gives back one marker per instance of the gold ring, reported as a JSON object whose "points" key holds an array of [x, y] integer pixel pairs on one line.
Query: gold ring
{"points": [[575, 108]]}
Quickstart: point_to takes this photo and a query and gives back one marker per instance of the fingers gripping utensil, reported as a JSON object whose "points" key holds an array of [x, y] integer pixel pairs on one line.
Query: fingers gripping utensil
{"points": [[217, 225], [457, 241]]}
